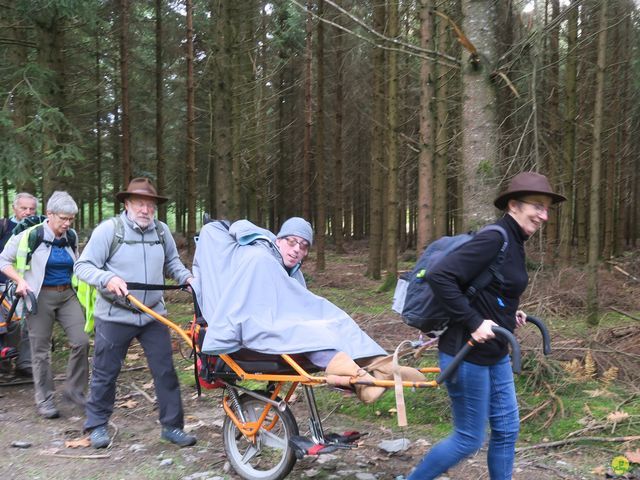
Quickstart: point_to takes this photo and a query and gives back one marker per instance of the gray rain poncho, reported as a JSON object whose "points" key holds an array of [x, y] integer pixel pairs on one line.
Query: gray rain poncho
{"points": [[249, 300]]}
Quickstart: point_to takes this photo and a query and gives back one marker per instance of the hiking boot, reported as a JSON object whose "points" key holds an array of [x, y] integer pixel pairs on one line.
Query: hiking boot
{"points": [[48, 410], [178, 436], [100, 437]]}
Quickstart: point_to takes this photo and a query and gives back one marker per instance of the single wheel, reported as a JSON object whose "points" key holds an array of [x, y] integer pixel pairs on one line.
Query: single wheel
{"points": [[271, 457]]}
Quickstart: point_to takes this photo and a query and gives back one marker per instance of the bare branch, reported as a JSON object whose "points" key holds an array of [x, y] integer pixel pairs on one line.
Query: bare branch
{"points": [[559, 443], [408, 48]]}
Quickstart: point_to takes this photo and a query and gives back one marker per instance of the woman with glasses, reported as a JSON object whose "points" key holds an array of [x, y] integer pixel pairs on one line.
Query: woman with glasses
{"points": [[253, 296], [46, 272], [483, 392]]}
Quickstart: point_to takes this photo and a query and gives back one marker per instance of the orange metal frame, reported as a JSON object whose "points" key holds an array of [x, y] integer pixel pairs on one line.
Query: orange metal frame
{"points": [[250, 429], [5, 322]]}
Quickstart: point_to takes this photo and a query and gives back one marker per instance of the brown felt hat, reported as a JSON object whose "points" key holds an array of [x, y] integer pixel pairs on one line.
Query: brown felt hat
{"points": [[527, 183], [141, 187]]}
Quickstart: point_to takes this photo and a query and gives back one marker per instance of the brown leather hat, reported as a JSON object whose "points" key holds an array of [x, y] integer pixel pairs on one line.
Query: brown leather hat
{"points": [[527, 183], [141, 187]]}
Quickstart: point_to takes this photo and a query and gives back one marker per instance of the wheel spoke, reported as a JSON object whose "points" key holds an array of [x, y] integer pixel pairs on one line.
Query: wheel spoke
{"points": [[249, 454], [270, 456], [270, 439]]}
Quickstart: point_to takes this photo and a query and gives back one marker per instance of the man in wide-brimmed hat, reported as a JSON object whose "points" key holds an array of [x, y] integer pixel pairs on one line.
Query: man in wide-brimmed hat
{"points": [[132, 247]]}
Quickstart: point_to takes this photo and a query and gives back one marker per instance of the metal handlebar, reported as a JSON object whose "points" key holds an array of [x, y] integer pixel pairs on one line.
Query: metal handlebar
{"points": [[515, 348], [546, 338], [32, 310], [453, 366]]}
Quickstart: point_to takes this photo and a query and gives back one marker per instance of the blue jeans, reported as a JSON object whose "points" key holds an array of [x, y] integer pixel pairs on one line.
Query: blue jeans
{"points": [[479, 394]]}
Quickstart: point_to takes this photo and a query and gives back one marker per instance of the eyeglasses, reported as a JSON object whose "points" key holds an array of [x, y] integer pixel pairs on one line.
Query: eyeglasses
{"points": [[303, 244], [139, 204], [538, 207], [65, 219]]}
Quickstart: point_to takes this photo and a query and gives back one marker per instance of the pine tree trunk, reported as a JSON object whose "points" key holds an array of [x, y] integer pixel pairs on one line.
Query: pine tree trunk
{"points": [[159, 133], [442, 140], [17, 55], [627, 170], [377, 154], [116, 152], [50, 39], [479, 126], [594, 206], [552, 82], [125, 129], [321, 207], [191, 191], [569, 137], [232, 23], [211, 160], [221, 94], [98, 126], [308, 115], [337, 195], [391, 200], [425, 164]]}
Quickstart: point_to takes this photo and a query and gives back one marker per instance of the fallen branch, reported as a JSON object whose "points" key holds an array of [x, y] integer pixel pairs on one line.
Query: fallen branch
{"points": [[556, 405], [133, 369], [632, 438], [626, 314], [143, 393], [84, 457], [624, 272], [536, 410], [541, 466]]}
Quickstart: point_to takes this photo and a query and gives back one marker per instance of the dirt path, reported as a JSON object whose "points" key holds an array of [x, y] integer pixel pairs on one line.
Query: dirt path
{"points": [[138, 453]]}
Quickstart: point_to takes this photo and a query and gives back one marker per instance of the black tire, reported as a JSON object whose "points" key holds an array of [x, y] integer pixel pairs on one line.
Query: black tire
{"points": [[272, 458]]}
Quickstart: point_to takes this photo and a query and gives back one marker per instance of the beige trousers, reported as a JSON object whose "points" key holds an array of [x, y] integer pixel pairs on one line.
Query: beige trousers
{"points": [[61, 306]]}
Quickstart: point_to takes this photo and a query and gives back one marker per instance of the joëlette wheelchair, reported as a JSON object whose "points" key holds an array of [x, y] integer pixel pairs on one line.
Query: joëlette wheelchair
{"points": [[9, 301], [260, 433]]}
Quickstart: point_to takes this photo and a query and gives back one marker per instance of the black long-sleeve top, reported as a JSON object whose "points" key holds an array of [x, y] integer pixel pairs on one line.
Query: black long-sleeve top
{"points": [[497, 302]]}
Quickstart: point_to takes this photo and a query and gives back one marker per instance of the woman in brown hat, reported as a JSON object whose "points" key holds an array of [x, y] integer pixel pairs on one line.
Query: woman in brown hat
{"points": [[483, 391]]}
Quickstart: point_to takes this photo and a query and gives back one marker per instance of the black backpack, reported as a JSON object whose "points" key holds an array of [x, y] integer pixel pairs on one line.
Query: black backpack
{"points": [[36, 237], [414, 299]]}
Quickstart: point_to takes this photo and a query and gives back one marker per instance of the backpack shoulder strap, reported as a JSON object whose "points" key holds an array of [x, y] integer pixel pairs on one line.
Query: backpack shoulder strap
{"points": [[30, 240], [485, 278], [72, 239], [35, 238], [118, 236], [161, 231]]}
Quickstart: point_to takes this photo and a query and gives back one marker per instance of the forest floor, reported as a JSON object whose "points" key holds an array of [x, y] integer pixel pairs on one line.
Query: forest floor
{"points": [[56, 449]]}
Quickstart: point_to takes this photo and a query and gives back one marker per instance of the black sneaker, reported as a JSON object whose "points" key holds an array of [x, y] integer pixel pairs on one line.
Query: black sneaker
{"points": [[178, 436], [100, 437]]}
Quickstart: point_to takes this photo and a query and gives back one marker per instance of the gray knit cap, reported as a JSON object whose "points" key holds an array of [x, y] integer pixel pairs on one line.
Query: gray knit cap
{"points": [[297, 226]]}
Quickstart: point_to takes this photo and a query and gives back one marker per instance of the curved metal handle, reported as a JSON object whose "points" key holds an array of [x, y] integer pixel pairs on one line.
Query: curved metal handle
{"points": [[546, 338], [31, 309], [453, 366]]}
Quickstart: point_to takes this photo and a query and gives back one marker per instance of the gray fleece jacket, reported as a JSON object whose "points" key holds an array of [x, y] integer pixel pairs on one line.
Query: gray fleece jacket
{"points": [[34, 276], [137, 262]]}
